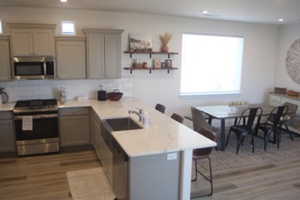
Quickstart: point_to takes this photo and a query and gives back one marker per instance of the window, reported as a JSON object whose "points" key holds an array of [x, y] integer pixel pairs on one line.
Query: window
{"points": [[211, 64], [1, 30], [68, 28]]}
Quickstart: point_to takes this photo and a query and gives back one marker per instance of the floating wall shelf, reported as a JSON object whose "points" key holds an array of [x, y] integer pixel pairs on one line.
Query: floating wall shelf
{"points": [[150, 53], [150, 69]]}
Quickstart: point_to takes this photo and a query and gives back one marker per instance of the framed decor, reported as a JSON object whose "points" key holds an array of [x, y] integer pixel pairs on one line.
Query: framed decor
{"points": [[140, 43], [293, 61]]}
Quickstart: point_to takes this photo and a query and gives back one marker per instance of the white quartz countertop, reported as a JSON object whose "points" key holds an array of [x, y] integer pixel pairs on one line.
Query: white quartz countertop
{"points": [[7, 107], [162, 135]]}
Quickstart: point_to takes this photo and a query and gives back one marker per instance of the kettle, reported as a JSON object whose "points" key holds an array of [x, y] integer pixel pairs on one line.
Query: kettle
{"points": [[4, 96]]}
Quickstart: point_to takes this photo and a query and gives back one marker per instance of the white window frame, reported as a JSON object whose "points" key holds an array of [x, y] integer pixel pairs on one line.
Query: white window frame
{"points": [[214, 93], [68, 33], [1, 26]]}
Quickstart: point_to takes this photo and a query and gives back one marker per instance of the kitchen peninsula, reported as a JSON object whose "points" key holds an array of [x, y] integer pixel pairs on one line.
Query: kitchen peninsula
{"points": [[163, 141], [159, 153]]}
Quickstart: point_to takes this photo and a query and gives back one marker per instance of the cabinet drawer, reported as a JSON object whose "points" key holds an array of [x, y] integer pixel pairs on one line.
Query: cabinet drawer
{"points": [[6, 115], [73, 111]]}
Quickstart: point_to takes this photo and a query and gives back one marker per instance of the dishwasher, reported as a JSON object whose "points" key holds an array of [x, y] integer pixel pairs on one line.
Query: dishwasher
{"points": [[115, 164]]}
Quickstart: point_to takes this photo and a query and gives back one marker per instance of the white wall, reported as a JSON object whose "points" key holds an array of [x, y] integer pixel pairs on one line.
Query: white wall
{"points": [[258, 67], [288, 34]]}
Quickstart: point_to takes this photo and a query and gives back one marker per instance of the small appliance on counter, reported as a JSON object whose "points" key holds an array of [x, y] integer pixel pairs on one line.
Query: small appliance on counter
{"points": [[3, 96], [36, 125], [101, 94]]}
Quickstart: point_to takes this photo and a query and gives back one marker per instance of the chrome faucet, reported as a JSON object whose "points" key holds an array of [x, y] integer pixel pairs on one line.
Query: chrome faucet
{"points": [[139, 113]]}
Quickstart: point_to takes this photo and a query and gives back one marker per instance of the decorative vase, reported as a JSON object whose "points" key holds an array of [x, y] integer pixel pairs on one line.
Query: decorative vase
{"points": [[164, 49]]}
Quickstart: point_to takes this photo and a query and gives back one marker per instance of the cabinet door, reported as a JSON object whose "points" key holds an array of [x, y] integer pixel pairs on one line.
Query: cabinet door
{"points": [[71, 59], [7, 136], [99, 142], [74, 130], [43, 41], [22, 42], [95, 56], [4, 60], [113, 56]]}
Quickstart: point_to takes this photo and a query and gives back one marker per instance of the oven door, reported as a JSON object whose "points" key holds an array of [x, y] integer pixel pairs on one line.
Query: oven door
{"points": [[29, 70], [44, 126]]}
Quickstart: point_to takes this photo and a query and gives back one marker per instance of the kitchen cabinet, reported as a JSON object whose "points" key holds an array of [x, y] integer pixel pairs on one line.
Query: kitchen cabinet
{"points": [[7, 133], [74, 126], [71, 58], [103, 53], [32, 39], [5, 70], [279, 99]]}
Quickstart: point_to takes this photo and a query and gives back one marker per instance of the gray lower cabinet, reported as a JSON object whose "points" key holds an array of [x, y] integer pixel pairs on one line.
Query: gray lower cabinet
{"points": [[74, 126], [5, 71], [103, 53], [7, 133]]}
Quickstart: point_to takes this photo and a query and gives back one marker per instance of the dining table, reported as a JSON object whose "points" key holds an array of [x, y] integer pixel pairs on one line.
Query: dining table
{"points": [[226, 112]]}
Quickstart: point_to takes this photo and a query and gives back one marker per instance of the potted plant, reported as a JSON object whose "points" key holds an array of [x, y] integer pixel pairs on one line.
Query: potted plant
{"points": [[165, 39]]}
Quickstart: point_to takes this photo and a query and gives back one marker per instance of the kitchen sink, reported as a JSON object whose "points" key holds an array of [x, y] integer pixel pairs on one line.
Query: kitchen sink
{"points": [[121, 124]]}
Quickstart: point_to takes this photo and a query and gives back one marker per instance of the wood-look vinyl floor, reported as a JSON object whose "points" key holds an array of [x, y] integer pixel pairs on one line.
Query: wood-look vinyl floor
{"points": [[272, 175], [41, 177]]}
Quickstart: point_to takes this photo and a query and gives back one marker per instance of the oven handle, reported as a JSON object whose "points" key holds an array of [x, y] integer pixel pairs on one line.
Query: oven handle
{"points": [[37, 116], [45, 68]]}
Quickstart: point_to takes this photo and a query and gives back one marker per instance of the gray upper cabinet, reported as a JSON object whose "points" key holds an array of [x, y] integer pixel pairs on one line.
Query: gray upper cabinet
{"points": [[95, 55], [113, 56], [7, 133], [71, 57], [5, 71], [32, 39], [103, 53]]}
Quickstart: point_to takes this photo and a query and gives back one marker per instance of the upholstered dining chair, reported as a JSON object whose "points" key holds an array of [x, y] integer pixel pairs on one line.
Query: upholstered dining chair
{"points": [[161, 108], [199, 121]]}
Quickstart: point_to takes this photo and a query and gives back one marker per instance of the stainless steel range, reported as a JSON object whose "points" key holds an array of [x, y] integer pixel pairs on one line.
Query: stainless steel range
{"points": [[36, 124]]}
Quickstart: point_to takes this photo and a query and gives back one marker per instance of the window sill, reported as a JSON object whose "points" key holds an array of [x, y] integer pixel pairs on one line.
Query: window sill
{"points": [[209, 93]]}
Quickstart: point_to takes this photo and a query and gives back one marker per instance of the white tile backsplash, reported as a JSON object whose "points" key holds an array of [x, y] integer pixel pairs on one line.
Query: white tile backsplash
{"points": [[35, 89]]}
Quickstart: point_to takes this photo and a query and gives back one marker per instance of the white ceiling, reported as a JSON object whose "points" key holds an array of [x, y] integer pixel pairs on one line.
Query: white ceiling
{"points": [[262, 11]]}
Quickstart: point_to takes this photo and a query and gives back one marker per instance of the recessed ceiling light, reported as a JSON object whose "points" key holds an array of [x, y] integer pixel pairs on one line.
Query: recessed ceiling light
{"points": [[281, 20], [204, 12], [63, 1]]}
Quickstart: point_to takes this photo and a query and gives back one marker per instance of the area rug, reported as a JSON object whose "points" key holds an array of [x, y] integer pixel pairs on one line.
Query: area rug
{"points": [[89, 184]]}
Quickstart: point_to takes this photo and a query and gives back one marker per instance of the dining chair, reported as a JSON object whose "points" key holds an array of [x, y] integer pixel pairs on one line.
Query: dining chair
{"points": [[273, 125], [161, 108], [199, 121], [177, 117], [290, 115], [202, 154], [244, 127]]}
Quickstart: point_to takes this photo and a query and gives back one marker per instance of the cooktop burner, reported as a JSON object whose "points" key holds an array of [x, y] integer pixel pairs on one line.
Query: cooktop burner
{"points": [[36, 104]]}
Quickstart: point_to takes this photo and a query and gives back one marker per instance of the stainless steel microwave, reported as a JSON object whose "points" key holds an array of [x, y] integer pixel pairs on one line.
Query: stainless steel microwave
{"points": [[34, 68]]}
